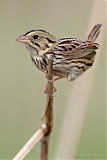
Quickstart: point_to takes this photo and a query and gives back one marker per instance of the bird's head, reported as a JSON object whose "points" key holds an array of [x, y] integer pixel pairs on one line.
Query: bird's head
{"points": [[38, 42]]}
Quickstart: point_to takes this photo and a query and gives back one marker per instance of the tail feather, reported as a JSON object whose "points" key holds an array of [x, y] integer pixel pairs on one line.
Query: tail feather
{"points": [[94, 33]]}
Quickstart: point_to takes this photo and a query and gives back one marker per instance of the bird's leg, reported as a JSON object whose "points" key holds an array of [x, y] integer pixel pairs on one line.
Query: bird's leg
{"points": [[60, 75], [53, 79], [71, 76], [48, 78], [57, 78], [48, 92]]}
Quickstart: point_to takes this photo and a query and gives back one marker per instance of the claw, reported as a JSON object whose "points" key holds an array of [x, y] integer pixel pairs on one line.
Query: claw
{"points": [[48, 78], [48, 92], [53, 79]]}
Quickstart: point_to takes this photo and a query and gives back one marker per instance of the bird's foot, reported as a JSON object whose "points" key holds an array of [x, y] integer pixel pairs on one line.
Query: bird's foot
{"points": [[48, 78], [47, 91]]}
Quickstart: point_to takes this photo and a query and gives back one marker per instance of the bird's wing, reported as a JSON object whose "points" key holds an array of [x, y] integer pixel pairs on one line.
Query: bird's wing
{"points": [[74, 48]]}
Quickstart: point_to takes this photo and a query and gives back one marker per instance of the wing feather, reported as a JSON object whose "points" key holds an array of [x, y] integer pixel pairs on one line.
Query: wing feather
{"points": [[74, 48]]}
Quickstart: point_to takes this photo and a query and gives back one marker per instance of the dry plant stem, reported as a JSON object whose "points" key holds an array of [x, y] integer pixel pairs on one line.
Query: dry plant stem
{"points": [[44, 130], [31, 142], [48, 116]]}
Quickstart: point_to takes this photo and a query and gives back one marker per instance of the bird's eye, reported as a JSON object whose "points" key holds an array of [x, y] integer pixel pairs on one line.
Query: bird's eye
{"points": [[35, 36]]}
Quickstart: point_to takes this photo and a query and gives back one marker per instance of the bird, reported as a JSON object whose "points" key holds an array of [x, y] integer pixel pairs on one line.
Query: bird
{"points": [[71, 56]]}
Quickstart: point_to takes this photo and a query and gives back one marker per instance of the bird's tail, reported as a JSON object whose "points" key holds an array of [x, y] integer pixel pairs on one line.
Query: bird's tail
{"points": [[94, 33]]}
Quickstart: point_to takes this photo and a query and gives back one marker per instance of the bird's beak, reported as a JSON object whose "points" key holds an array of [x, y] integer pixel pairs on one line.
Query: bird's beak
{"points": [[23, 39]]}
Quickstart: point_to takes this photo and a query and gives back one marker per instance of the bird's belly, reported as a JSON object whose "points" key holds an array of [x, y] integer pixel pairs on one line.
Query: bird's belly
{"points": [[73, 69], [70, 69]]}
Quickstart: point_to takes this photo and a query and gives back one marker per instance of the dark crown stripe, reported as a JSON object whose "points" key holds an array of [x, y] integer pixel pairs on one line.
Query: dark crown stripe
{"points": [[33, 30], [50, 41]]}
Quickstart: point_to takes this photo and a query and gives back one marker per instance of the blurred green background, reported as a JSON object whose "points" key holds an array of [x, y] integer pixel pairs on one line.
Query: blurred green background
{"points": [[22, 101]]}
